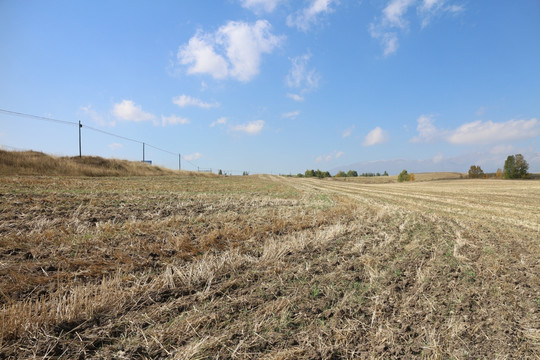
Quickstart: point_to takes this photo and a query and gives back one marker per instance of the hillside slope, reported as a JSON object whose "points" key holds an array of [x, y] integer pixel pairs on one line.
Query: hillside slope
{"points": [[38, 163]]}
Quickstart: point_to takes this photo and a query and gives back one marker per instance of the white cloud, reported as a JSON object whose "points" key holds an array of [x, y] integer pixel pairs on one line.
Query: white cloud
{"points": [[375, 136], [186, 100], [220, 121], [295, 97], [393, 13], [300, 77], [260, 5], [488, 132], [339, 154], [115, 146], [426, 130], [245, 44], [347, 132], [199, 53], [303, 19], [173, 120], [193, 157], [251, 128], [291, 115], [234, 50], [127, 110], [477, 132]]}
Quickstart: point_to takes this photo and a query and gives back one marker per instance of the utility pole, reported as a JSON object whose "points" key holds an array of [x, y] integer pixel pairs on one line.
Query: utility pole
{"points": [[179, 162], [143, 152], [80, 148]]}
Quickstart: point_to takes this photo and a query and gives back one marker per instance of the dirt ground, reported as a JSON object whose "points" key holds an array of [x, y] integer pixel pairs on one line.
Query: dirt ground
{"points": [[268, 267]]}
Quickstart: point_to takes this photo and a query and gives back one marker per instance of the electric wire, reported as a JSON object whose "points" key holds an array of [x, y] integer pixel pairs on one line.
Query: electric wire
{"points": [[19, 114]]}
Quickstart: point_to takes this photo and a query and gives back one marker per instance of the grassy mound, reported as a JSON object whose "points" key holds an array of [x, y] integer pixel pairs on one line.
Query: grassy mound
{"points": [[38, 163]]}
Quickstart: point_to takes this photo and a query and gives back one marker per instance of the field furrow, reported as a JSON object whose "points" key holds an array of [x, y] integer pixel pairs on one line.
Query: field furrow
{"points": [[268, 267]]}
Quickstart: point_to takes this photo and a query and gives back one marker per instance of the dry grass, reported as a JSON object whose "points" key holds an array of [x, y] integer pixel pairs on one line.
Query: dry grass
{"points": [[267, 267], [419, 177], [37, 163]]}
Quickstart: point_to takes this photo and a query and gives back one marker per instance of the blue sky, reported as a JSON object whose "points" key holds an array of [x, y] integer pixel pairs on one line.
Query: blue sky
{"points": [[277, 86]]}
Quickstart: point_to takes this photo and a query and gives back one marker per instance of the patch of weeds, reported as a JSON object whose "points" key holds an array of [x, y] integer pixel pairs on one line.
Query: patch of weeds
{"points": [[471, 275], [315, 291], [488, 250]]}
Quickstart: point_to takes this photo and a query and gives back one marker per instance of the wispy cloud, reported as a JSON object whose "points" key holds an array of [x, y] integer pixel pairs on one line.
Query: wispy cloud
{"points": [[291, 115], [115, 146], [250, 128], [329, 157], [347, 132], [393, 19], [96, 117], [193, 157], [127, 110], [305, 18], [430, 9], [173, 120], [300, 76], [234, 50], [186, 100], [375, 136], [295, 97], [260, 5], [220, 121]]}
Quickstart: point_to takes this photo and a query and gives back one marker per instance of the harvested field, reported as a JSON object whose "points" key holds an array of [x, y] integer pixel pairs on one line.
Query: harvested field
{"points": [[268, 267]]}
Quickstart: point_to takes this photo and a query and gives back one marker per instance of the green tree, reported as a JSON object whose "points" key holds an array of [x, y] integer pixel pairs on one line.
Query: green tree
{"points": [[475, 172], [516, 167], [522, 167], [341, 174], [509, 167], [403, 176], [220, 172], [385, 173], [352, 173], [309, 173]]}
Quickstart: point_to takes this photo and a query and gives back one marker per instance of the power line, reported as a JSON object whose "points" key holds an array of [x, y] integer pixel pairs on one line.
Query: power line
{"points": [[111, 134], [14, 113], [19, 114]]}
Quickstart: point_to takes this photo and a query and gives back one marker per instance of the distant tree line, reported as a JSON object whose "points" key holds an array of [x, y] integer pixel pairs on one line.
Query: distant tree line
{"points": [[315, 173], [354, 173], [341, 174], [515, 167]]}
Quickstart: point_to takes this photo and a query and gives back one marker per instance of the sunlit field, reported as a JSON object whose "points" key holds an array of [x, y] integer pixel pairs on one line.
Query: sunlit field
{"points": [[191, 267]]}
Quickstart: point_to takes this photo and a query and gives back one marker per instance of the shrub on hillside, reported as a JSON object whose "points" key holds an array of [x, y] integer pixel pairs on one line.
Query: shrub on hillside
{"points": [[403, 176]]}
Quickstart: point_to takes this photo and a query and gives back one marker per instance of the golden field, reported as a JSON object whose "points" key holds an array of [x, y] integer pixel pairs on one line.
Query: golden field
{"points": [[193, 267]]}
